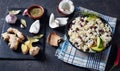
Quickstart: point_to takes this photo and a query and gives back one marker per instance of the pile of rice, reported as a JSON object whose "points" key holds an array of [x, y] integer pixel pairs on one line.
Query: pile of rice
{"points": [[83, 33]]}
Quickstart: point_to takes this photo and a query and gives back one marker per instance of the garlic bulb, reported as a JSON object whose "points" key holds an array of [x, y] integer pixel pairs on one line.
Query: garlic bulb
{"points": [[11, 18], [35, 27]]}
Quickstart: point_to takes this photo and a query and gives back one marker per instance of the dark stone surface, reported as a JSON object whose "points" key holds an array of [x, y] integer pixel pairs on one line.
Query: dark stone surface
{"points": [[51, 63]]}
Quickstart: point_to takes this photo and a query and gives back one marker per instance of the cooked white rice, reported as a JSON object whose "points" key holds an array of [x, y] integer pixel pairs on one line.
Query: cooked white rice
{"points": [[83, 34]]}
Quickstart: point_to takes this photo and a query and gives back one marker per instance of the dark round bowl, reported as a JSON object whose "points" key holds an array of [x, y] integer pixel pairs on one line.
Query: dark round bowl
{"points": [[70, 23]]}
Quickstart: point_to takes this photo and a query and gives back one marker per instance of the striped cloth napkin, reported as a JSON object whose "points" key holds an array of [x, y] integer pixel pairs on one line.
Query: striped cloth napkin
{"points": [[69, 54]]}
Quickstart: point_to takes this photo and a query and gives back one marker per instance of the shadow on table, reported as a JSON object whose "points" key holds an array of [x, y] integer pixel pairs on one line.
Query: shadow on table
{"points": [[115, 43]]}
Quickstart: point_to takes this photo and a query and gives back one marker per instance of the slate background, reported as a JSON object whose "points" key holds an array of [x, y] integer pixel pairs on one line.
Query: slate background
{"points": [[51, 63]]}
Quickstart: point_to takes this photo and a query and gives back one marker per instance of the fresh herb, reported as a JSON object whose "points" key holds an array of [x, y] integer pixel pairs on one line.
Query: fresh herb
{"points": [[23, 22], [15, 12], [38, 36], [90, 16], [35, 38]]}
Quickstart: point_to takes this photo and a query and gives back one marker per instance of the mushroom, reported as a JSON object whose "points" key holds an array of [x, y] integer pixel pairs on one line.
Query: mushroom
{"points": [[35, 27], [66, 7], [53, 39]]}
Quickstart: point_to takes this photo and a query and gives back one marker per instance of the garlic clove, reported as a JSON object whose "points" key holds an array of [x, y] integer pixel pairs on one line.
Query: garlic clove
{"points": [[52, 22], [35, 27], [11, 18], [66, 7], [22, 26], [62, 21]]}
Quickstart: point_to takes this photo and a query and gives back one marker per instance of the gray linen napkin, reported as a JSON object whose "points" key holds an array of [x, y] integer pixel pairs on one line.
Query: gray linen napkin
{"points": [[67, 53]]}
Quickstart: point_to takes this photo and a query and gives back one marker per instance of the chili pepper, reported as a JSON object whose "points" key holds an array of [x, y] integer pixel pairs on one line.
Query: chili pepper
{"points": [[117, 58]]}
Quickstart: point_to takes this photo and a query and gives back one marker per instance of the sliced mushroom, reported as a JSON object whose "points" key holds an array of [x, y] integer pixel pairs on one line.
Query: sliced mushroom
{"points": [[53, 39]]}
